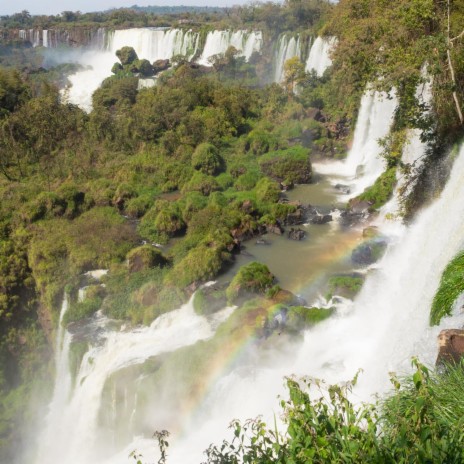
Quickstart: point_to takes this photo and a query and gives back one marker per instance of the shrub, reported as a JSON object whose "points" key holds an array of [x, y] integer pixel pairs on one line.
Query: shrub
{"points": [[292, 165], [382, 190], [206, 159], [253, 278], [143, 258]]}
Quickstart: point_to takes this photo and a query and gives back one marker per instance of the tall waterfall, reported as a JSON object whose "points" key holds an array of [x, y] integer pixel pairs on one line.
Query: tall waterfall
{"points": [[218, 42], [50, 435], [319, 55], [363, 164], [286, 48], [78, 416]]}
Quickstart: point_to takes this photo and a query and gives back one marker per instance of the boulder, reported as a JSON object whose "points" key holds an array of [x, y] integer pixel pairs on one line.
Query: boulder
{"points": [[369, 252], [261, 241], [144, 257], [296, 234], [126, 55], [160, 65], [450, 346], [275, 228], [319, 219], [345, 189], [296, 218]]}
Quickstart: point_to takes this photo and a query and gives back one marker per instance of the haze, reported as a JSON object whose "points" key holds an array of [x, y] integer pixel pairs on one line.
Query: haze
{"points": [[54, 7]]}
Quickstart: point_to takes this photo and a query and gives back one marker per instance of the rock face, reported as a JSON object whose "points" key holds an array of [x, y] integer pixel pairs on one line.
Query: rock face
{"points": [[451, 346]]}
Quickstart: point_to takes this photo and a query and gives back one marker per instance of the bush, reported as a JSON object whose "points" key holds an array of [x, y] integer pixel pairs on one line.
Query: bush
{"points": [[420, 422], [143, 258], [253, 278], [207, 160], [382, 190], [202, 263], [292, 165]]}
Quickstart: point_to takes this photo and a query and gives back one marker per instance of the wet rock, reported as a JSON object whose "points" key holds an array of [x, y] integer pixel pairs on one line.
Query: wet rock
{"points": [[296, 218], [450, 346], [349, 219], [369, 252], [276, 229], [321, 219], [261, 241], [296, 234], [160, 65], [345, 189], [360, 206]]}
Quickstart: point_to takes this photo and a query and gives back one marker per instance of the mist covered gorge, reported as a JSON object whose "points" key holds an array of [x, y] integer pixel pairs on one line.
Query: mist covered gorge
{"points": [[213, 216]]}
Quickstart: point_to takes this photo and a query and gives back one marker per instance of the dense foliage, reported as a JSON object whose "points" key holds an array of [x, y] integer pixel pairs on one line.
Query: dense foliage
{"points": [[421, 421]]}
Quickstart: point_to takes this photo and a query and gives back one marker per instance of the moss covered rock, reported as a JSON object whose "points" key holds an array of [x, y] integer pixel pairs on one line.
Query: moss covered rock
{"points": [[346, 286], [126, 55], [144, 257], [253, 278], [208, 300]]}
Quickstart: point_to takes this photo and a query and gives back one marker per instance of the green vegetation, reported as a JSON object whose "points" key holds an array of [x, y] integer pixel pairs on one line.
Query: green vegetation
{"points": [[346, 286], [451, 287], [253, 278], [379, 193], [208, 300], [291, 165], [421, 421], [196, 164], [300, 317]]}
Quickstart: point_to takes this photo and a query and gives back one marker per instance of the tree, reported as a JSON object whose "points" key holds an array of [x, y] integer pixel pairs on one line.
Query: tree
{"points": [[294, 74]]}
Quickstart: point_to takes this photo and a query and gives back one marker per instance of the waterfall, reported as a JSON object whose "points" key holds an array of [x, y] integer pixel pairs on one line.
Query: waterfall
{"points": [[155, 44], [62, 389], [78, 418], [150, 44], [45, 38], [218, 42], [363, 164], [287, 47], [319, 55]]}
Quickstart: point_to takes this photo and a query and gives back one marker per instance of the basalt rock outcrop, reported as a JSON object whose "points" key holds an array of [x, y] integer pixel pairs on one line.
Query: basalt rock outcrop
{"points": [[450, 347]]}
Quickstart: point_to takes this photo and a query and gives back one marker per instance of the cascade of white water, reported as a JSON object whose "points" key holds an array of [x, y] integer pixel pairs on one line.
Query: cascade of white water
{"points": [[319, 55], [217, 42], [61, 391], [78, 418], [150, 44], [23, 34], [287, 47], [363, 164], [155, 44], [45, 38]]}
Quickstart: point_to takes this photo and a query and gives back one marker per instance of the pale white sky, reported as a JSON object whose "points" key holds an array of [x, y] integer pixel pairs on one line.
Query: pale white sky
{"points": [[8, 7]]}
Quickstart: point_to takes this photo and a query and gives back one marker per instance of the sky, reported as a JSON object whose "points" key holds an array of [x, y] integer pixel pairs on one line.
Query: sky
{"points": [[34, 7]]}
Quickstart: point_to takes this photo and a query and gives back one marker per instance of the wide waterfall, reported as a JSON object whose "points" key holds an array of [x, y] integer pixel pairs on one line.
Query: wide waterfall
{"points": [[218, 42], [155, 44], [286, 48]]}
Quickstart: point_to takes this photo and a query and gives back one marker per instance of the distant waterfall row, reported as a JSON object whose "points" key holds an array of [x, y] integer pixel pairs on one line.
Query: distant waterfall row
{"points": [[154, 44]]}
